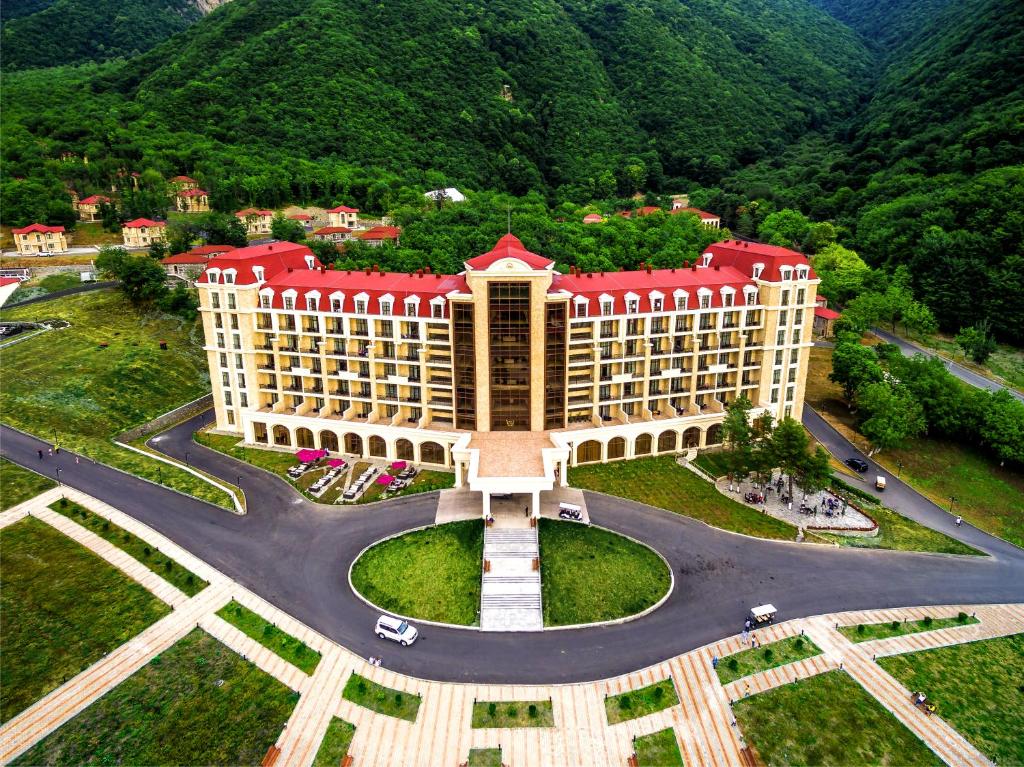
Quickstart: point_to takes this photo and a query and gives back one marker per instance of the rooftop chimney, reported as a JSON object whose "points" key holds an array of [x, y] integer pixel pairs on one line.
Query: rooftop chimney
{"points": [[367, 270], [428, 270], [376, 268], [693, 266], [648, 268], [718, 267]]}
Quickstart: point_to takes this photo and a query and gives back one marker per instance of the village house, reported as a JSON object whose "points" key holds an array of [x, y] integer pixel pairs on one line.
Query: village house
{"points": [[593, 218], [184, 183], [343, 216], [256, 221], [141, 233], [39, 239], [186, 267], [448, 194], [824, 318], [333, 233], [89, 208], [679, 201], [379, 235], [303, 218], [192, 201], [709, 220]]}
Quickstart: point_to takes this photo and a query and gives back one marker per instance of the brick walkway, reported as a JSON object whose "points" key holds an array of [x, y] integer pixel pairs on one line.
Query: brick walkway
{"points": [[441, 735]]}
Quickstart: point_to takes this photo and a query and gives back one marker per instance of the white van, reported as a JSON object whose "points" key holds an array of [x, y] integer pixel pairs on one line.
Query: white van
{"points": [[396, 630]]}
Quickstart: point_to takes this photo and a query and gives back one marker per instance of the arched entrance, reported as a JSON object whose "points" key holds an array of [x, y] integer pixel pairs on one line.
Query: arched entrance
{"points": [[715, 435], [616, 448], [588, 452], [431, 452], [667, 442], [353, 444], [404, 450], [329, 441], [378, 447], [691, 437], [643, 445], [281, 436], [304, 438]]}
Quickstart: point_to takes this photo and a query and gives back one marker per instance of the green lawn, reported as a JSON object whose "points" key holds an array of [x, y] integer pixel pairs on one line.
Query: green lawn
{"points": [[70, 390], [484, 757], [432, 574], [63, 609], [622, 577], [271, 637], [161, 564], [1006, 361], [747, 662], [827, 719], [18, 485], [977, 687], [869, 631], [197, 703], [659, 749], [383, 700], [520, 713], [714, 463], [425, 482], [334, 746], [637, 703], [900, 533], [661, 482]]}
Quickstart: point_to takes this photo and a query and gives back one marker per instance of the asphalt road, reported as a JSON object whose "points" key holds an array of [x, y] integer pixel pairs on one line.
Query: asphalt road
{"points": [[964, 374], [296, 554]]}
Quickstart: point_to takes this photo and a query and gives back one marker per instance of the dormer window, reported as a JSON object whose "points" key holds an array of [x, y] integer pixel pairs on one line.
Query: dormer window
{"points": [[682, 298], [229, 276], [632, 306], [310, 304], [786, 272], [751, 297], [758, 269], [607, 306], [581, 304], [656, 304], [386, 302], [360, 306], [801, 272], [289, 303], [336, 305], [437, 311], [412, 306], [705, 300], [258, 273], [265, 301], [310, 262], [707, 259], [726, 299]]}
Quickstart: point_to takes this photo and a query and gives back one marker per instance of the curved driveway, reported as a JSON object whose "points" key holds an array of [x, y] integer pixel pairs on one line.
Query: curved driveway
{"points": [[296, 554]]}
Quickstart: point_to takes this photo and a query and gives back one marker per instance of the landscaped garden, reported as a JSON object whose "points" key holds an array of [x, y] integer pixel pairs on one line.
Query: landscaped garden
{"points": [[520, 713], [637, 703], [659, 749], [484, 757], [430, 574], [18, 485], [131, 544], [383, 700], [334, 746], [977, 687], [756, 659], [865, 632], [82, 385], [63, 609], [197, 703], [827, 719], [662, 482], [270, 636], [622, 577]]}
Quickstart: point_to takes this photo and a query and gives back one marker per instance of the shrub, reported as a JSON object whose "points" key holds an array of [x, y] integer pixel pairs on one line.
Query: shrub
{"points": [[361, 686], [168, 565], [145, 551], [63, 503], [768, 654], [659, 693], [532, 711], [860, 628], [513, 712], [961, 617], [734, 664], [126, 537], [894, 625], [926, 621], [492, 709], [106, 526], [799, 643], [398, 699], [625, 703]]}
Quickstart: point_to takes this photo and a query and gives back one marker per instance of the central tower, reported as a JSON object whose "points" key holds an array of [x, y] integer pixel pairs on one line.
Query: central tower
{"points": [[508, 337]]}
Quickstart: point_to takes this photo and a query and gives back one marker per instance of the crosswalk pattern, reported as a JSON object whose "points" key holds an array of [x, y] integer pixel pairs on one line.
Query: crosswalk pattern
{"points": [[442, 734]]}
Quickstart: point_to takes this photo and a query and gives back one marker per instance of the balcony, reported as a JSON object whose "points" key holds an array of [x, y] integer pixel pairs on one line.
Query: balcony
{"points": [[439, 402], [436, 359], [439, 381]]}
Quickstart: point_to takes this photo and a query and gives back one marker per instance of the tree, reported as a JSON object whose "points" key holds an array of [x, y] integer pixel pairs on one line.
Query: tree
{"points": [[325, 250], [1003, 427], [919, 320], [157, 250], [738, 436], [141, 279], [854, 365], [977, 342], [842, 273], [890, 415], [786, 227], [819, 236], [289, 230], [789, 444], [816, 472]]}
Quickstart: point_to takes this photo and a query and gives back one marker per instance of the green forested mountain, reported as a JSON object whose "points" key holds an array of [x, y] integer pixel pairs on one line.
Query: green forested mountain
{"points": [[45, 33], [886, 23]]}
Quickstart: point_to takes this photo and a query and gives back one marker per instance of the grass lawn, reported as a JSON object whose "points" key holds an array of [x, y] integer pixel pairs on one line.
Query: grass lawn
{"points": [[622, 577], [900, 533], [432, 574], [271, 637], [869, 631], [48, 284], [977, 689], [197, 703], [334, 746], [383, 700], [1006, 362], [659, 749], [827, 719], [71, 390], [87, 235], [713, 463], [484, 757], [661, 482], [161, 564], [637, 703], [747, 662], [525, 713], [63, 609], [987, 495], [18, 485]]}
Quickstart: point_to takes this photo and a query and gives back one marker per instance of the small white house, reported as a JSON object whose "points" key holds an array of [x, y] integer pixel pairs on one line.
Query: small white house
{"points": [[451, 194]]}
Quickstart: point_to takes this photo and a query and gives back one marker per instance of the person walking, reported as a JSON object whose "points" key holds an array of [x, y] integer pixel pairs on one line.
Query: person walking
{"points": [[714, 661], [40, 454], [959, 520], [49, 451]]}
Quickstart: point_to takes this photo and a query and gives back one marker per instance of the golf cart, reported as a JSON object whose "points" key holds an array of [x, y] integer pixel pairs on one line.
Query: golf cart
{"points": [[880, 483], [762, 615]]}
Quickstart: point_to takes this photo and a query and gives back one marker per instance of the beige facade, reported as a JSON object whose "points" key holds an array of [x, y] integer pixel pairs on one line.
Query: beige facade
{"points": [[192, 201], [39, 239], [141, 233], [89, 208], [257, 222], [343, 216]]}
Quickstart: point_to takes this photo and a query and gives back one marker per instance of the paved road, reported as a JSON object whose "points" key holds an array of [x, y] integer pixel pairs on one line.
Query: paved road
{"points": [[296, 554], [964, 374]]}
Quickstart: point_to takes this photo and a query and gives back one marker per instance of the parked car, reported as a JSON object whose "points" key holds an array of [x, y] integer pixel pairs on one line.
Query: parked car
{"points": [[396, 630], [857, 464]]}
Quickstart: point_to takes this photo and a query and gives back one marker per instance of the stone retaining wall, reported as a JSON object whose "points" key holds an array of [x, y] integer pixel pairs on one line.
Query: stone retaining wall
{"points": [[168, 419]]}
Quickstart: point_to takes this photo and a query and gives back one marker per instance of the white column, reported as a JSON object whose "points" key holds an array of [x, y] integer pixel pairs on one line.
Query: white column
{"points": [[536, 504], [458, 474], [487, 504]]}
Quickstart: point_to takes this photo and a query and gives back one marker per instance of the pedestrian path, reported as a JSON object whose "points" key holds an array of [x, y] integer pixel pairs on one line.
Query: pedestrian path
{"points": [[510, 594]]}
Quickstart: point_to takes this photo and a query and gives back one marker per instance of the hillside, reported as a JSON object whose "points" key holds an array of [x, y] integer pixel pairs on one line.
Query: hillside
{"points": [[885, 23]]}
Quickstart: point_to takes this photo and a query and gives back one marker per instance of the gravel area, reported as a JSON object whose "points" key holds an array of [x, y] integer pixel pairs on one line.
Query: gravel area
{"points": [[839, 520]]}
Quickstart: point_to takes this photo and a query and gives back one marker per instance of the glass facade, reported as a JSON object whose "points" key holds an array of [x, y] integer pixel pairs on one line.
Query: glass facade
{"points": [[508, 310], [554, 365], [464, 366]]}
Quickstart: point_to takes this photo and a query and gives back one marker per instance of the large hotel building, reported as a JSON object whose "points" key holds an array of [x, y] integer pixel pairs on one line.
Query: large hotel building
{"points": [[438, 369]]}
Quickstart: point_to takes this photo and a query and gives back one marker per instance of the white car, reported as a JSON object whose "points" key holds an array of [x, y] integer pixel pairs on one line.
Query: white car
{"points": [[396, 630]]}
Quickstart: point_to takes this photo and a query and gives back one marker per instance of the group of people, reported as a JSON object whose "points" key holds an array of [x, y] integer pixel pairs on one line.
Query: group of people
{"points": [[922, 702], [374, 661]]}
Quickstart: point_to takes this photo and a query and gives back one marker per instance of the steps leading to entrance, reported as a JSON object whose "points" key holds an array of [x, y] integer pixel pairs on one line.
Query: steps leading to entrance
{"points": [[510, 596]]}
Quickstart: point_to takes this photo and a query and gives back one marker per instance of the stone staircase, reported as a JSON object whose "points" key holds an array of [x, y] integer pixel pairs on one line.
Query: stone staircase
{"points": [[510, 595]]}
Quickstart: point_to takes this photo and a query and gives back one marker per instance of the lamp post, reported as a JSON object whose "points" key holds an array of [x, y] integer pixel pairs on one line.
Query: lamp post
{"points": [[899, 469], [159, 476], [186, 458], [238, 482], [58, 476], [952, 500]]}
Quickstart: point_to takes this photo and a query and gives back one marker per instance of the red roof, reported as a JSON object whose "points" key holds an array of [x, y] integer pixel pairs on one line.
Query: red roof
{"points": [[826, 314], [5, 281], [253, 212], [380, 233], [193, 193], [343, 209], [647, 210], [300, 217], [593, 218], [138, 223], [625, 213], [186, 258], [94, 199], [509, 246], [332, 230], [37, 228], [705, 216], [743, 255], [210, 250], [665, 281], [183, 180], [274, 257]]}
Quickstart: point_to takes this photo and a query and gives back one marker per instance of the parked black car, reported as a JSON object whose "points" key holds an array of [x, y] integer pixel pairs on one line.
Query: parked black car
{"points": [[857, 464]]}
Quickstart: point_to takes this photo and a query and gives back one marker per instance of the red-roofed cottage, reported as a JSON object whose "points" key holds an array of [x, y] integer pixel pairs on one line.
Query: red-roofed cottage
{"points": [[186, 267], [192, 200], [333, 233], [343, 216], [89, 207], [257, 222], [141, 232], [39, 240], [708, 219], [379, 235]]}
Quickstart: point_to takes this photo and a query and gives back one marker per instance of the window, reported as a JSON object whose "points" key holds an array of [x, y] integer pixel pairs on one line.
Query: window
{"points": [[792, 375], [781, 338], [437, 310], [608, 329], [410, 308], [680, 303], [775, 396], [581, 308], [289, 303], [629, 367], [243, 400], [607, 308], [225, 381], [727, 299], [241, 380], [752, 298], [223, 360], [790, 393], [215, 301], [758, 268], [385, 308], [236, 341], [798, 317], [785, 298], [220, 340], [777, 376], [796, 335], [231, 417], [234, 322], [218, 321], [336, 305], [310, 304], [656, 304], [264, 302], [800, 294], [231, 301], [801, 272], [705, 301], [632, 306], [783, 317], [229, 278], [778, 357], [238, 361], [227, 398]]}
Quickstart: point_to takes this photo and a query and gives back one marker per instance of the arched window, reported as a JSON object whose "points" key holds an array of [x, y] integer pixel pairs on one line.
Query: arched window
{"points": [[715, 435], [588, 452], [404, 451], [431, 452], [353, 444], [329, 441], [304, 437], [691, 437], [667, 442], [378, 447], [281, 435], [616, 448], [643, 445]]}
